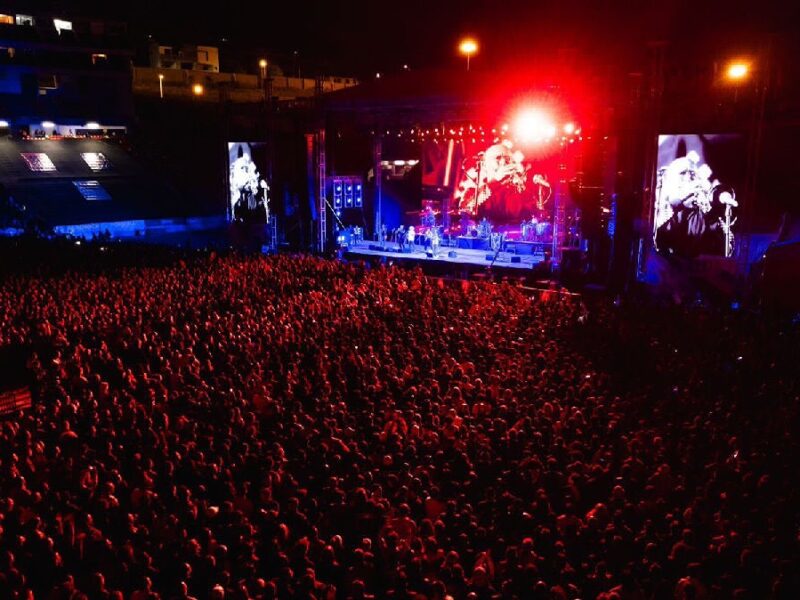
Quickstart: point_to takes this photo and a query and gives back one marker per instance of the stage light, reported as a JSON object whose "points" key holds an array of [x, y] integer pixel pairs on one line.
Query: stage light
{"points": [[92, 125], [48, 124], [737, 71], [3, 124], [569, 128], [358, 197], [262, 63], [533, 125], [468, 47], [161, 85], [337, 193], [377, 75], [197, 89], [348, 195]]}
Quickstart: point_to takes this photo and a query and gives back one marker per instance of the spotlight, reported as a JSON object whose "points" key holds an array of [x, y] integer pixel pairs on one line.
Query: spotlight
{"points": [[3, 124], [197, 89], [92, 125], [569, 128], [737, 71], [533, 125], [48, 124]]}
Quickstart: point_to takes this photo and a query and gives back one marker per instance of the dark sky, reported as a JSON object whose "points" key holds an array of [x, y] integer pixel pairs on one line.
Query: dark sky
{"points": [[364, 36]]}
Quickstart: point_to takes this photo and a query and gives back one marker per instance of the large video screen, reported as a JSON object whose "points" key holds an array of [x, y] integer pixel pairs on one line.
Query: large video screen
{"points": [[248, 193], [696, 208], [496, 181]]}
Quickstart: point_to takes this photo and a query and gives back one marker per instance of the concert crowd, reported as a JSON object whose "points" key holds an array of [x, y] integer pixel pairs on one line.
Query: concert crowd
{"points": [[291, 427]]}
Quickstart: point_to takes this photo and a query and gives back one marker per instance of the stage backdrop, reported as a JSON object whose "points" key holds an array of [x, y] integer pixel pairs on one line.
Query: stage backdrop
{"points": [[698, 185], [248, 190], [496, 180]]}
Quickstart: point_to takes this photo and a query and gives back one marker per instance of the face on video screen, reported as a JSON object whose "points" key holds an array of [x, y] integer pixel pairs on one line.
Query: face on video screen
{"points": [[696, 206], [248, 188], [495, 180]]}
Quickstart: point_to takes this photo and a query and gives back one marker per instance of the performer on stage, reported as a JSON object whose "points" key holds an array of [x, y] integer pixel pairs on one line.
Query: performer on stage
{"points": [[400, 237], [411, 238], [433, 240]]}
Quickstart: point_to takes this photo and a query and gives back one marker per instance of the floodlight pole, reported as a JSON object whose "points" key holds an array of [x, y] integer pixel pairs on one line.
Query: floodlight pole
{"points": [[322, 187], [559, 210], [755, 137], [377, 150]]}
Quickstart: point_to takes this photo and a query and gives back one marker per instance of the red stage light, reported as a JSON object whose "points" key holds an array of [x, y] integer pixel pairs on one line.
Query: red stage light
{"points": [[569, 128], [533, 125]]}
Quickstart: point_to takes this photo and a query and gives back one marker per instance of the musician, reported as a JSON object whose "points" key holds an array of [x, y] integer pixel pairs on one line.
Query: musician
{"points": [[411, 238], [249, 191], [432, 240], [683, 202], [429, 217], [400, 237]]}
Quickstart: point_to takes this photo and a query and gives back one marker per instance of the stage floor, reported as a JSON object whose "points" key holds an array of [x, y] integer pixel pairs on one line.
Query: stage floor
{"points": [[463, 256]]}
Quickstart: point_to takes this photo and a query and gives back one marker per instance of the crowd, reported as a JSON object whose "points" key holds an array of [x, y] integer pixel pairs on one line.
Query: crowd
{"points": [[292, 427]]}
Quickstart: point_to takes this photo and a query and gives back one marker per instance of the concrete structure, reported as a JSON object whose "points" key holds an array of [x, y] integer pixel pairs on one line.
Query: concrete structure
{"points": [[235, 87], [188, 57]]}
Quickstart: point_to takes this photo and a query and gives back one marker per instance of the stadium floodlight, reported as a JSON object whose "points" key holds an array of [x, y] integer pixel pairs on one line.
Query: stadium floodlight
{"points": [[468, 47], [737, 71]]}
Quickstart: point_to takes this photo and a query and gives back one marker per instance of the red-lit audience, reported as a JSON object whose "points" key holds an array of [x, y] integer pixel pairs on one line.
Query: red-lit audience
{"points": [[267, 428]]}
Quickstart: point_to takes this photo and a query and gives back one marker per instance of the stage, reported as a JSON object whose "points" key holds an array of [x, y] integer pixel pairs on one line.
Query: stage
{"points": [[464, 257]]}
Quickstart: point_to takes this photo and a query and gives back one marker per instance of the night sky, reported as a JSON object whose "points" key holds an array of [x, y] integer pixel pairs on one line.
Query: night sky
{"points": [[360, 37]]}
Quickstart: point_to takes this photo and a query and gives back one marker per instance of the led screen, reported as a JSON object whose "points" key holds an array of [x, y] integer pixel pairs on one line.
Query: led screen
{"points": [[92, 191], [497, 181], [696, 208], [38, 161], [97, 161], [248, 190]]}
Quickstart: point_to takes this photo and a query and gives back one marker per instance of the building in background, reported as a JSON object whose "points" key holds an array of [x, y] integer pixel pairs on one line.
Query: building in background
{"points": [[189, 71], [63, 75], [189, 57]]}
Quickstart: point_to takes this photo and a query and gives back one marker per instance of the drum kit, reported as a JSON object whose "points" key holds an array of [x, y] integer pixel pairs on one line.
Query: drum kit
{"points": [[534, 230]]}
